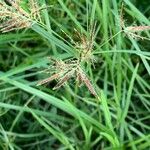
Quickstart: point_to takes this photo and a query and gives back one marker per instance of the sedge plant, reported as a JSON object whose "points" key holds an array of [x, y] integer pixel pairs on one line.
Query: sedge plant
{"points": [[73, 119]]}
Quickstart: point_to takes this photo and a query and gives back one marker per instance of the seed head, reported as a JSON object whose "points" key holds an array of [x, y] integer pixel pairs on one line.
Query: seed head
{"points": [[132, 31], [13, 16], [64, 70]]}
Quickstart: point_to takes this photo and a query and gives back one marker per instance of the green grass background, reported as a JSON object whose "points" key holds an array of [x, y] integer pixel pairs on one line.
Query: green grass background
{"points": [[70, 118]]}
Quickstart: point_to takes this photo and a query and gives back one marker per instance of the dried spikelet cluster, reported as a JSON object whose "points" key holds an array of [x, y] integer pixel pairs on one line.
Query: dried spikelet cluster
{"points": [[132, 31], [13, 16], [64, 70]]}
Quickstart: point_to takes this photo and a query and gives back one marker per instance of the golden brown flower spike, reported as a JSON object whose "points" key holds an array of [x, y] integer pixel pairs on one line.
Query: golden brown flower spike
{"points": [[53, 77], [137, 28], [64, 79], [83, 78]]}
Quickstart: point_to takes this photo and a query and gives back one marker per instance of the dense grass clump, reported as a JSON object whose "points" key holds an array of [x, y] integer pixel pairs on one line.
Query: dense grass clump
{"points": [[74, 75]]}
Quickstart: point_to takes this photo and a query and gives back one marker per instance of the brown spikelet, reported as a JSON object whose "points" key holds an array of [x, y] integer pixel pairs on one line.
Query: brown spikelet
{"points": [[138, 28], [87, 82], [62, 81], [53, 77]]}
